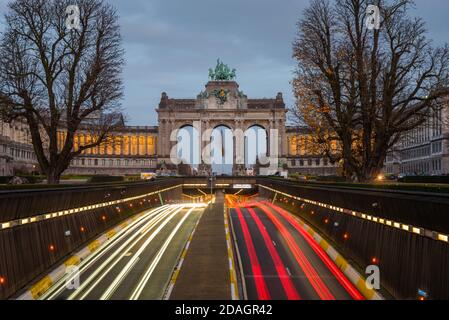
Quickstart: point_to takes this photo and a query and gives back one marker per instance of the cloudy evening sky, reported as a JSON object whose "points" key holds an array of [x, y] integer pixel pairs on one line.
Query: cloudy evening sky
{"points": [[170, 44]]}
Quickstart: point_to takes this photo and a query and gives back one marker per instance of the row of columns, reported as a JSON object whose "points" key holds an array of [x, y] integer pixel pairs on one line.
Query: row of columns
{"points": [[124, 143]]}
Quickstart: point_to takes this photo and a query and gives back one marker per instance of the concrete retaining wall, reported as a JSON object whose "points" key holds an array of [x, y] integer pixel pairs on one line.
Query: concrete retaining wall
{"points": [[27, 250]]}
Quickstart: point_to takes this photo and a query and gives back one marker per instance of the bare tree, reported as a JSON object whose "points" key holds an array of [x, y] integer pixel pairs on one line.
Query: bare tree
{"points": [[59, 76], [364, 87]]}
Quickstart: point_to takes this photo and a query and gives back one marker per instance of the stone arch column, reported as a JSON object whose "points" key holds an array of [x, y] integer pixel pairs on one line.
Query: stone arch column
{"points": [[239, 124]]}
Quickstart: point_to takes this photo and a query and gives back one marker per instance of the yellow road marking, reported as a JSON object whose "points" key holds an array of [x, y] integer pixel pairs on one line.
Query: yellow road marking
{"points": [[72, 261], [93, 246], [41, 287]]}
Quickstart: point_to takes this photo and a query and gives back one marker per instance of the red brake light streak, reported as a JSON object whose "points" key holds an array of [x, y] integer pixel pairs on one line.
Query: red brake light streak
{"points": [[321, 289], [261, 285], [349, 287], [289, 288]]}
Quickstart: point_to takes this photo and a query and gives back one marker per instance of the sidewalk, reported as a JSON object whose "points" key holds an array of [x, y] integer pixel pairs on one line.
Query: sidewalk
{"points": [[205, 272]]}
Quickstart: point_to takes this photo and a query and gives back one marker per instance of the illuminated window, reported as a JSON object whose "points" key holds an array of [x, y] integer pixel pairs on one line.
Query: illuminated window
{"points": [[302, 146], [88, 141], [142, 145], [76, 142], [150, 145], [60, 140], [294, 146], [126, 150], [101, 149], [134, 142], [118, 145], [82, 142]]}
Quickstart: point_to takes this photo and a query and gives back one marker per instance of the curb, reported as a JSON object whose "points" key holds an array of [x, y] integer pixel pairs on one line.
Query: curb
{"points": [[232, 270], [178, 267], [349, 271], [38, 289], [239, 259]]}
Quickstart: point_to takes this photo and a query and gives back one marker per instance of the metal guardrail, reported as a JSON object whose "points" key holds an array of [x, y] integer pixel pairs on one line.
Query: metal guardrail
{"points": [[423, 210]]}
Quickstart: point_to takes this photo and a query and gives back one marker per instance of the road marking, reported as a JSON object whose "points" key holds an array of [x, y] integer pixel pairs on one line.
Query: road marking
{"points": [[314, 279], [122, 275], [232, 270], [329, 256], [146, 277], [261, 286], [125, 246], [88, 257]]}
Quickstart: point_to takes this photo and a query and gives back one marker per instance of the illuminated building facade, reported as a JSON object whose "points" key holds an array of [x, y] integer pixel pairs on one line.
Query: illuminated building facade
{"points": [[16, 151], [130, 151], [303, 156]]}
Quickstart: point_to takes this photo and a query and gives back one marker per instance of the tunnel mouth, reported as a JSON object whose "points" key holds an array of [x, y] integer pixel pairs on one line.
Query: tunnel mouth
{"points": [[201, 194]]}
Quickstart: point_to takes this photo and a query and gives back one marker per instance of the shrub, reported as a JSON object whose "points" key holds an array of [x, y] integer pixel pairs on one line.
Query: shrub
{"points": [[5, 180]]}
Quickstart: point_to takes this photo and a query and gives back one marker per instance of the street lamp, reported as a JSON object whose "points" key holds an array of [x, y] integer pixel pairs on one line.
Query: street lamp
{"points": [[212, 178]]}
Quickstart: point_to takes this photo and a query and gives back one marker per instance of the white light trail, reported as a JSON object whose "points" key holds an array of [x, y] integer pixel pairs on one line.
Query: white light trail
{"points": [[59, 287], [119, 279], [138, 291], [126, 246]]}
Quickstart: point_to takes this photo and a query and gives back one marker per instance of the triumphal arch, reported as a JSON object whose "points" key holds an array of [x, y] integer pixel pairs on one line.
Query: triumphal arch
{"points": [[222, 103]]}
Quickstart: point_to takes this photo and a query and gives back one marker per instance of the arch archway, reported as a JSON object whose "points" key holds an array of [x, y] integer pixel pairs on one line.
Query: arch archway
{"points": [[188, 147], [256, 146], [222, 150]]}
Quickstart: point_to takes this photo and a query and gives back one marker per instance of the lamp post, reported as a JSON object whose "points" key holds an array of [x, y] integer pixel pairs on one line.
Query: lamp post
{"points": [[212, 178]]}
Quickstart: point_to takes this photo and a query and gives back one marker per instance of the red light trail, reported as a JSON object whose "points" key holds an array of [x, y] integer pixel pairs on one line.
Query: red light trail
{"points": [[321, 289], [287, 283], [259, 280], [349, 287]]}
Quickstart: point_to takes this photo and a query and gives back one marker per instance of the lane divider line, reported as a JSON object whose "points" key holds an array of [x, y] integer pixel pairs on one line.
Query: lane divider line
{"points": [[282, 271], [135, 235], [259, 279], [352, 274], [239, 257], [312, 275], [232, 269], [320, 247], [164, 221], [131, 231], [147, 275]]}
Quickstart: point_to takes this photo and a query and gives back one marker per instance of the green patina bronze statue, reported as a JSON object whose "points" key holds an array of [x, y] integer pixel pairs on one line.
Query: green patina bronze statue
{"points": [[222, 72]]}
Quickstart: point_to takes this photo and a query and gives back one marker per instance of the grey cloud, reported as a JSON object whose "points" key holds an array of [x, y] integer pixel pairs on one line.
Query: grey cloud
{"points": [[170, 44]]}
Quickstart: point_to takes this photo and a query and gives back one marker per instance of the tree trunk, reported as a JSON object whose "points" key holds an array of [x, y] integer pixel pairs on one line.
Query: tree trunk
{"points": [[372, 170], [53, 176]]}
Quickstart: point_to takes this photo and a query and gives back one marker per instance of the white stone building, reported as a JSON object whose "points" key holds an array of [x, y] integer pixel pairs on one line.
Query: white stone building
{"points": [[16, 151], [424, 150]]}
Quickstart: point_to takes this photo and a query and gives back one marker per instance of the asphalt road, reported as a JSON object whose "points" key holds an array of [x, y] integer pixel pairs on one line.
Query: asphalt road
{"points": [[281, 262], [137, 263]]}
